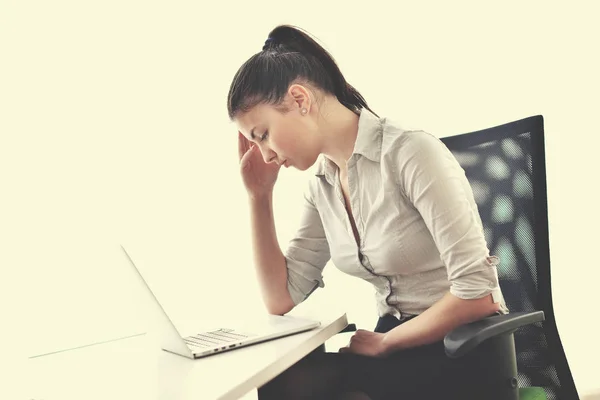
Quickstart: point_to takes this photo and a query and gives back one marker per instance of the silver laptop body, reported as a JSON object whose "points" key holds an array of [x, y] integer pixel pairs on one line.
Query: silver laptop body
{"points": [[207, 343]]}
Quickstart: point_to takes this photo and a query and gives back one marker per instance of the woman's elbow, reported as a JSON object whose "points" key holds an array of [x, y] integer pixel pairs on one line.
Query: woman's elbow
{"points": [[484, 306], [280, 306], [478, 307], [279, 309]]}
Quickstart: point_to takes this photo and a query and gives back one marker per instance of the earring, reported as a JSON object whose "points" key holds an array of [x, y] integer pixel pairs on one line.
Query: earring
{"points": [[303, 111]]}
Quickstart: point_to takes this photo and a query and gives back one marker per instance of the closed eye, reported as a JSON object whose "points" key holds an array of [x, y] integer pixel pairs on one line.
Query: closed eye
{"points": [[264, 136]]}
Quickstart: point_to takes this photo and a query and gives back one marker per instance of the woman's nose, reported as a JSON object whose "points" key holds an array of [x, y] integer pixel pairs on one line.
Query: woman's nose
{"points": [[268, 155]]}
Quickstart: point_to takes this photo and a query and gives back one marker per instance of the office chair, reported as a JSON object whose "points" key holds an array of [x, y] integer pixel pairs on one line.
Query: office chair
{"points": [[524, 358], [505, 166]]}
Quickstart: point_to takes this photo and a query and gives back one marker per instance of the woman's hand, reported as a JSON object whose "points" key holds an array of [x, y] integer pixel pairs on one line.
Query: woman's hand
{"points": [[366, 343], [259, 177]]}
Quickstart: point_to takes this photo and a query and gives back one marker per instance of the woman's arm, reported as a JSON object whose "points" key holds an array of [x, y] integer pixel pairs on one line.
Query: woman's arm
{"points": [[433, 324], [436, 185], [288, 278], [268, 259]]}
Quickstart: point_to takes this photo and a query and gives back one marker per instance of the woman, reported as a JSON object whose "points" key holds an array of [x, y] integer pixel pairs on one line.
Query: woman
{"points": [[388, 205]]}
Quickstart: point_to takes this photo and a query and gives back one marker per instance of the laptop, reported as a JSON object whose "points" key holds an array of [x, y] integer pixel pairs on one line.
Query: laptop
{"points": [[209, 342]]}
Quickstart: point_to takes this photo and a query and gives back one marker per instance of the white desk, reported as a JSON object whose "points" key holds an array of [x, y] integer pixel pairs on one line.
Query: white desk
{"points": [[135, 368]]}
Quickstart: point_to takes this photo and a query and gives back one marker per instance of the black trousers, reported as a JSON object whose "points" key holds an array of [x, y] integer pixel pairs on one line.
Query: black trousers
{"points": [[422, 373]]}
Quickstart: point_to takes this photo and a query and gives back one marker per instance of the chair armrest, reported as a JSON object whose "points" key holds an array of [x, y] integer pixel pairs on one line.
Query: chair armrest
{"points": [[466, 337]]}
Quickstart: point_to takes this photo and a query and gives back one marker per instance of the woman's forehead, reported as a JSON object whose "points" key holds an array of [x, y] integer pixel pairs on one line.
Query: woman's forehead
{"points": [[249, 123]]}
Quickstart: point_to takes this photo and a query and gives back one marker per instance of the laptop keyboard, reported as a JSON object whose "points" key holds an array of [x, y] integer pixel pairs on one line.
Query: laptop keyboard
{"points": [[214, 338]]}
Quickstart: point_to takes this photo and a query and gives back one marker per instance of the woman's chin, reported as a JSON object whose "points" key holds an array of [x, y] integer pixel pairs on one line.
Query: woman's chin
{"points": [[299, 166]]}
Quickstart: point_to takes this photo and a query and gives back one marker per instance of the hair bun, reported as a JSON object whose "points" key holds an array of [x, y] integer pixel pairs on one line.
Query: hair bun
{"points": [[269, 43]]}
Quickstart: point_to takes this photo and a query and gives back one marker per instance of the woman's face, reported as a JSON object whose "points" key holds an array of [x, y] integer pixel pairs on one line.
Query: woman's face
{"points": [[289, 139]]}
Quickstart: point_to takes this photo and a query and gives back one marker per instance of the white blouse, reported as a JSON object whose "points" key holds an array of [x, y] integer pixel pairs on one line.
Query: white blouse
{"points": [[420, 231]]}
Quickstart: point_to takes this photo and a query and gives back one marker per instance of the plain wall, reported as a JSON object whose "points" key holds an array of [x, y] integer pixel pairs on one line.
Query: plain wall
{"points": [[114, 130]]}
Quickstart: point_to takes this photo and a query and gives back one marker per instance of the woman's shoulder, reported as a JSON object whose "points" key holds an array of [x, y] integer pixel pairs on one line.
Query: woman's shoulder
{"points": [[402, 140]]}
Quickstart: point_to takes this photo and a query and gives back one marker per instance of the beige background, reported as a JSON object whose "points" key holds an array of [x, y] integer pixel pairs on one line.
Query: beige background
{"points": [[114, 130]]}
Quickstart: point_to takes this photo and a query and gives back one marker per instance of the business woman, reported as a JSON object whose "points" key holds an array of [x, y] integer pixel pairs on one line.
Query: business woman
{"points": [[388, 205]]}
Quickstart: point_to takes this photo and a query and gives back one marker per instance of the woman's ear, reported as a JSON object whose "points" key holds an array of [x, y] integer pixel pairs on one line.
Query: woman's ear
{"points": [[300, 97]]}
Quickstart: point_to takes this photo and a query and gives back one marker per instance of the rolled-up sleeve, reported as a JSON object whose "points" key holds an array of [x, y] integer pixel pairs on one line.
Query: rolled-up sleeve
{"points": [[435, 183], [307, 253]]}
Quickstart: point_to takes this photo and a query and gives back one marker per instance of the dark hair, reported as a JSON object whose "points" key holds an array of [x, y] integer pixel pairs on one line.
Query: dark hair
{"points": [[289, 55]]}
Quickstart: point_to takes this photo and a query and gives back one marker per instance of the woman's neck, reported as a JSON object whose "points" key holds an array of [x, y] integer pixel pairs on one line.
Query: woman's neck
{"points": [[339, 129]]}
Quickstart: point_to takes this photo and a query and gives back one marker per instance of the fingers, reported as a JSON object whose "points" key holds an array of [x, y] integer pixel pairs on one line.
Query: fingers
{"points": [[247, 155], [360, 342], [352, 347], [361, 334], [243, 145]]}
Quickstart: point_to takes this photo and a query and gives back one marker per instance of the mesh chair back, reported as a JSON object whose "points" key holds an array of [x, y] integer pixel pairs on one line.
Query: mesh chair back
{"points": [[505, 166]]}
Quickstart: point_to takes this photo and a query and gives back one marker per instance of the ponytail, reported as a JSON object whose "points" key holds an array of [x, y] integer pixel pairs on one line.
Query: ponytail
{"points": [[289, 54]]}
